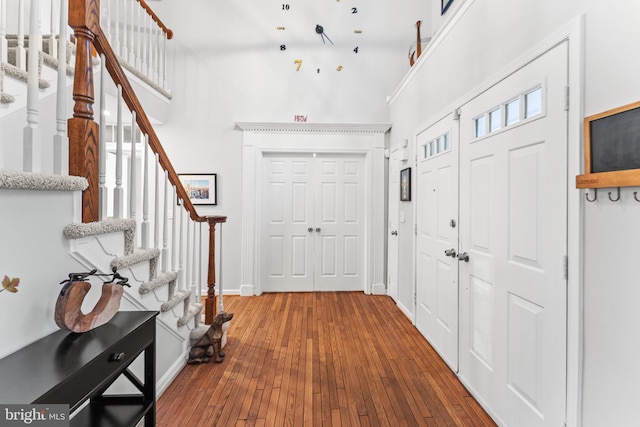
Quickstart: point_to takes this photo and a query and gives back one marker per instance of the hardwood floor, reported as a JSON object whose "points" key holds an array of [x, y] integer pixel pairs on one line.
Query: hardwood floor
{"points": [[320, 359]]}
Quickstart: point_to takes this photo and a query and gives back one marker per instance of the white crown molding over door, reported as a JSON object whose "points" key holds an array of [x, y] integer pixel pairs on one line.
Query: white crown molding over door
{"points": [[259, 138]]}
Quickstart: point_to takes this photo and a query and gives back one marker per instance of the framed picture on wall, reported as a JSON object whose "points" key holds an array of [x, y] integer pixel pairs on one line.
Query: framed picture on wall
{"points": [[405, 185], [444, 5], [201, 188]]}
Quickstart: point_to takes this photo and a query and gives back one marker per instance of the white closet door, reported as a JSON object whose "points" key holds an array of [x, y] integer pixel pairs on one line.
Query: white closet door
{"points": [[394, 214], [513, 225], [437, 238], [314, 223], [288, 236]]}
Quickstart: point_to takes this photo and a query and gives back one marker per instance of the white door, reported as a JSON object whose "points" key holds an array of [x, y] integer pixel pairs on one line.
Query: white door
{"points": [[437, 238], [513, 227], [313, 223], [392, 235]]}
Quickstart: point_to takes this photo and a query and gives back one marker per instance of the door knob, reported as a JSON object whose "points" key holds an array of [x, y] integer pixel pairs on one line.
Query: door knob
{"points": [[463, 257], [394, 233], [310, 229], [318, 230], [450, 252]]}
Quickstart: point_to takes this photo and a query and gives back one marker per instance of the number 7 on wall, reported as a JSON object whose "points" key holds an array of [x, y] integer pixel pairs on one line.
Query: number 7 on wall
{"points": [[299, 62]]}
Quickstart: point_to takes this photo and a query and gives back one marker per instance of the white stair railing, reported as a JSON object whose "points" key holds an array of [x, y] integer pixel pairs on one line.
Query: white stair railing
{"points": [[138, 38]]}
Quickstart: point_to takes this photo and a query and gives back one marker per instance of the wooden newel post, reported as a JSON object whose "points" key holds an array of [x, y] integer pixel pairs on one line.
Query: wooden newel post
{"points": [[84, 18], [210, 302]]}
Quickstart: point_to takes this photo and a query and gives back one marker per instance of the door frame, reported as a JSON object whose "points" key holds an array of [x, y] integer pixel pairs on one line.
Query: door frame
{"points": [[573, 33], [260, 138]]}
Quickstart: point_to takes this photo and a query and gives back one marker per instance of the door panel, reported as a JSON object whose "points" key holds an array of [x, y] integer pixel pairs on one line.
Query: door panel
{"points": [[286, 263], [312, 236], [437, 218], [514, 227]]}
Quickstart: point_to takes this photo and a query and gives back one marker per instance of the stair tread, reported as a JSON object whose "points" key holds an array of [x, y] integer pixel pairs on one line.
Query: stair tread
{"points": [[161, 280], [194, 309], [176, 299]]}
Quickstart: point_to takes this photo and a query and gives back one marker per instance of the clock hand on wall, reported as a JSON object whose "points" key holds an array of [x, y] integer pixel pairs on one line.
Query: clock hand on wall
{"points": [[320, 30]]}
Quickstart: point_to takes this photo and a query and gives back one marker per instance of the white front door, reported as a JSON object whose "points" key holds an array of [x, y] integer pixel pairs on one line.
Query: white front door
{"points": [[437, 238], [392, 235], [513, 227], [313, 223]]}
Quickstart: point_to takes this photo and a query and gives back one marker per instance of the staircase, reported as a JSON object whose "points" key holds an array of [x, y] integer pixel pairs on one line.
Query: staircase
{"points": [[71, 223]]}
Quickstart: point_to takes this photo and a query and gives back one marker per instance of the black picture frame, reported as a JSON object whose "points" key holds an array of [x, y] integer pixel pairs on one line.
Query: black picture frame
{"points": [[202, 188], [444, 5], [405, 185]]}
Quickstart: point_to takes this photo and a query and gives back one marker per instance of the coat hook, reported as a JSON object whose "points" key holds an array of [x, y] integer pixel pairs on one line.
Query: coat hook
{"points": [[615, 200], [635, 196], [595, 192]]}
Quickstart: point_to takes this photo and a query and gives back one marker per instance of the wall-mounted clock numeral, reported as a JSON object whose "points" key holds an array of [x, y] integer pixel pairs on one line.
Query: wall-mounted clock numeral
{"points": [[355, 50], [339, 68], [299, 62], [318, 70], [354, 10], [285, 7], [283, 47]]}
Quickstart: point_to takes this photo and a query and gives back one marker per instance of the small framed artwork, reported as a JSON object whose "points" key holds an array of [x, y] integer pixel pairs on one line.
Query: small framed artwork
{"points": [[405, 185], [201, 188], [444, 5]]}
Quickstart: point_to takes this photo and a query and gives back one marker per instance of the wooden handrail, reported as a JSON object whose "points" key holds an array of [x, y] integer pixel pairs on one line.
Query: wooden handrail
{"points": [[84, 18], [157, 20]]}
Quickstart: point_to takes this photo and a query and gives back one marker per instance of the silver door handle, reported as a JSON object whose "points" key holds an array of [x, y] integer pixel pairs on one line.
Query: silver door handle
{"points": [[450, 252], [310, 229], [394, 233], [463, 257], [318, 230]]}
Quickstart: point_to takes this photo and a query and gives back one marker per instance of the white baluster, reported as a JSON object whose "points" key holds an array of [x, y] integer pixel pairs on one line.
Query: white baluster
{"points": [[156, 206], [31, 134], [180, 251], [149, 71], [219, 275], [132, 31], [102, 170], [187, 275], [21, 53], [116, 28], [118, 191], [145, 44], [199, 283], [144, 229], [3, 31], [107, 21], [138, 39], [194, 257], [133, 172], [156, 59], [165, 225], [51, 40], [174, 227], [60, 140], [165, 82], [124, 53]]}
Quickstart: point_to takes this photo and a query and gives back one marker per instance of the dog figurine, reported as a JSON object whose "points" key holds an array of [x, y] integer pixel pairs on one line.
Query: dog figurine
{"points": [[209, 344]]}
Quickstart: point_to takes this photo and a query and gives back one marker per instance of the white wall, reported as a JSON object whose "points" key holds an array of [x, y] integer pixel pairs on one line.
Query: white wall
{"points": [[485, 40], [229, 68]]}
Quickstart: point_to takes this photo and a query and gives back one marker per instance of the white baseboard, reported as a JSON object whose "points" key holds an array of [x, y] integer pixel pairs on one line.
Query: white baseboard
{"points": [[246, 290], [378, 289], [406, 312], [171, 374]]}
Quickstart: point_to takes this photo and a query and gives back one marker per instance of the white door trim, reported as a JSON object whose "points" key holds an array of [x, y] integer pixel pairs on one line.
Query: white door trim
{"points": [[259, 138]]}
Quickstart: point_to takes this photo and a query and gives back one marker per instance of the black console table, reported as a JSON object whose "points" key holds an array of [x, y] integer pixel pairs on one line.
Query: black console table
{"points": [[71, 368]]}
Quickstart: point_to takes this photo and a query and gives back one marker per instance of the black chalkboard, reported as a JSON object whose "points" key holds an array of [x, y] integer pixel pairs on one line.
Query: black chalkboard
{"points": [[615, 141]]}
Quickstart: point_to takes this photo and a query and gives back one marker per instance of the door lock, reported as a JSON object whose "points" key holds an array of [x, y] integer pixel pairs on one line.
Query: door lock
{"points": [[450, 252], [310, 229], [463, 257], [394, 233], [318, 230]]}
